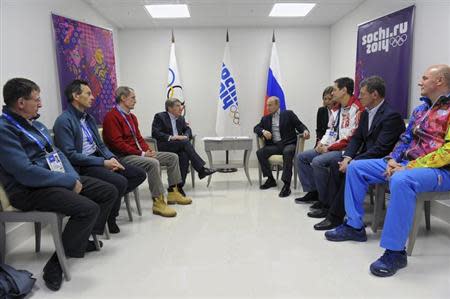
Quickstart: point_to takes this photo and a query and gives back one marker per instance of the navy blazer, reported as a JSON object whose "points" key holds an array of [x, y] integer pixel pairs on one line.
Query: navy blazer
{"points": [[289, 126], [69, 138], [162, 127], [387, 126]]}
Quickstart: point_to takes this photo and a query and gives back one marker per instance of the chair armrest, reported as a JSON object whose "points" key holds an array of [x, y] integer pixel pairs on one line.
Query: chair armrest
{"points": [[260, 142], [151, 143], [300, 146]]}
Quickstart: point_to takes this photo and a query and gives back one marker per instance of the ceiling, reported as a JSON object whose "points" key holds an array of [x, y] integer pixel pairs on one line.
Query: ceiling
{"points": [[131, 14]]}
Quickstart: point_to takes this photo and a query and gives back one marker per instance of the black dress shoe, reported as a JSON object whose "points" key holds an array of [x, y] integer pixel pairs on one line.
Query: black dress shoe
{"points": [[318, 205], [268, 184], [308, 198], [53, 274], [285, 191], [326, 224], [205, 172], [322, 213], [91, 246]]}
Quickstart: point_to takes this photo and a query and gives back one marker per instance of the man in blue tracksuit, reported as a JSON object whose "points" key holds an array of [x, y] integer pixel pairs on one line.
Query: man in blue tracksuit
{"points": [[418, 163], [37, 176], [77, 136]]}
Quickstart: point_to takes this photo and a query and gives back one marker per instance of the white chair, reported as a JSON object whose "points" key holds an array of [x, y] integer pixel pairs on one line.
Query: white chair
{"points": [[277, 160]]}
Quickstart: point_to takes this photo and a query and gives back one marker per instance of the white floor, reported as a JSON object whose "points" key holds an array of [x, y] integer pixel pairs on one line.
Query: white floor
{"points": [[236, 241]]}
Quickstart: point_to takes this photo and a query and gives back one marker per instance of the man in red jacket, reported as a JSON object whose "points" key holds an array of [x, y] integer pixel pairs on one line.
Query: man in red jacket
{"points": [[121, 134]]}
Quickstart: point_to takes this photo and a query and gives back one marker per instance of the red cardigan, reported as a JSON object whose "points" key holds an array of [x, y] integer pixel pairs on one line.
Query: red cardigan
{"points": [[118, 136]]}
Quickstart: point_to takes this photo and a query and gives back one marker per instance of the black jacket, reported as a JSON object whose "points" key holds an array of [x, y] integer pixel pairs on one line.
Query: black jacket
{"points": [[289, 126], [387, 126], [321, 123], [162, 127]]}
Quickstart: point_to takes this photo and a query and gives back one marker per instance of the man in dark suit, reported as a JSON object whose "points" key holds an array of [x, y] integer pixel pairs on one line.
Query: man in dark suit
{"points": [[378, 131], [279, 129], [172, 133]]}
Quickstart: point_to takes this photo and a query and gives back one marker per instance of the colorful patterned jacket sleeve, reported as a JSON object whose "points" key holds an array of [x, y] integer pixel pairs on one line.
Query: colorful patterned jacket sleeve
{"points": [[405, 139], [436, 159]]}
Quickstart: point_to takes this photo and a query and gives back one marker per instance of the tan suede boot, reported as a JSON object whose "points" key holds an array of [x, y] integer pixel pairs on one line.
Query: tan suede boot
{"points": [[175, 197], [160, 207]]}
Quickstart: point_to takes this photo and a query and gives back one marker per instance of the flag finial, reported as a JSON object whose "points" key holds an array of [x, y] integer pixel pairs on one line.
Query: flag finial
{"points": [[228, 38], [173, 37], [273, 36]]}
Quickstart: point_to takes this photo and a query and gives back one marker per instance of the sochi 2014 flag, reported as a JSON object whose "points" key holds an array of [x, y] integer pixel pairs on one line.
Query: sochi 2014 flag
{"points": [[174, 87], [274, 84], [227, 121]]}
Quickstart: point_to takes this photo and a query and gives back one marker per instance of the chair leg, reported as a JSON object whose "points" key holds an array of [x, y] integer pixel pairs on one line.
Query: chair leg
{"points": [[192, 176], [427, 210], [37, 234], [55, 229], [380, 190], [278, 172], [295, 176], [138, 201], [2, 242], [107, 236], [126, 198], [415, 226], [259, 174], [96, 242]]}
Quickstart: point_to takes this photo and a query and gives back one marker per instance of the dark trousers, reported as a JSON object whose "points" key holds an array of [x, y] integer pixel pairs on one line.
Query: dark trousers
{"points": [[87, 211], [336, 212], [288, 152], [124, 181], [186, 152]]}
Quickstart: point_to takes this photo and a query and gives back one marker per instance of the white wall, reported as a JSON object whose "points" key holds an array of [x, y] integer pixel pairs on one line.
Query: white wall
{"points": [[431, 37], [28, 48], [304, 58]]}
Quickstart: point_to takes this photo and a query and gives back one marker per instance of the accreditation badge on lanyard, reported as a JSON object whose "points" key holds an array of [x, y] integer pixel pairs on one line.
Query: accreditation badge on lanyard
{"points": [[329, 137], [53, 160]]}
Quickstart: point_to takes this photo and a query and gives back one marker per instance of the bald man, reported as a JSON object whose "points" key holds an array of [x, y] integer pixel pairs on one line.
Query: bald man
{"points": [[279, 129], [418, 163]]}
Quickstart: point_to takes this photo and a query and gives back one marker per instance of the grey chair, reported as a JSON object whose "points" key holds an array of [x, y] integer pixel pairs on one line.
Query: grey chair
{"points": [[9, 214], [276, 161], [128, 205], [152, 143], [423, 203]]}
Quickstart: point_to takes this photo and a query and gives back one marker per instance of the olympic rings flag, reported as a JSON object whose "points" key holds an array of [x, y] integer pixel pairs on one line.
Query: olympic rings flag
{"points": [[174, 87], [385, 49], [228, 117]]}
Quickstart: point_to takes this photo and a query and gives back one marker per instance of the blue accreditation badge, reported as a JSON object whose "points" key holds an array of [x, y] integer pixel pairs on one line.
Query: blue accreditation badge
{"points": [[54, 162]]}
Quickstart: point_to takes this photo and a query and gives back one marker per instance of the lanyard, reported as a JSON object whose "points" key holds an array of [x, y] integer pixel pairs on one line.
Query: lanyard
{"points": [[29, 135], [87, 132], [133, 131]]}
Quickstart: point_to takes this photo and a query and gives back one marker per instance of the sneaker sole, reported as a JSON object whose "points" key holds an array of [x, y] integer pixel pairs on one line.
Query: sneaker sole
{"points": [[343, 240], [384, 274]]}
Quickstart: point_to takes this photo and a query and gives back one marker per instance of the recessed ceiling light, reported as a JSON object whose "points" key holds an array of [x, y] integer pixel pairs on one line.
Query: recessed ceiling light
{"points": [[166, 11], [291, 9]]}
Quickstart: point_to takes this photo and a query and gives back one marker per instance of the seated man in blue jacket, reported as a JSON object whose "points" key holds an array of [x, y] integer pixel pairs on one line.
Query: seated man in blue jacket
{"points": [[76, 134], [38, 177]]}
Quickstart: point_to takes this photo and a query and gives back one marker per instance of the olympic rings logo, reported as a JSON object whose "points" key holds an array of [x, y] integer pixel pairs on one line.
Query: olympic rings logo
{"points": [[234, 114], [398, 40]]}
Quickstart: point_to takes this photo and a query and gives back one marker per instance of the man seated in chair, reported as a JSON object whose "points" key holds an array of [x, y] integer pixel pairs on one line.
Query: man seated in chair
{"points": [[173, 135], [279, 130], [377, 133], [313, 165], [121, 134], [418, 163], [37, 176], [76, 134]]}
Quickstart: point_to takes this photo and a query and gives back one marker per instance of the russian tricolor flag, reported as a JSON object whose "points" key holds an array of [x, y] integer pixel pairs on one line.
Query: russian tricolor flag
{"points": [[274, 84]]}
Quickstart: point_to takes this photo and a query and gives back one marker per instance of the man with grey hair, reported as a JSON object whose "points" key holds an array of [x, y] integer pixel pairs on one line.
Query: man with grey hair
{"points": [[121, 134], [173, 134], [279, 129]]}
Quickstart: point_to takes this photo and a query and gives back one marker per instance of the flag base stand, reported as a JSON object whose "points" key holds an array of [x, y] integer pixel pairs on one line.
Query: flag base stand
{"points": [[226, 170]]}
